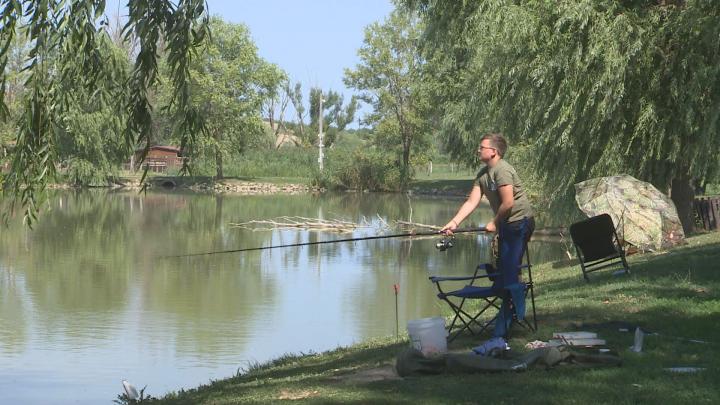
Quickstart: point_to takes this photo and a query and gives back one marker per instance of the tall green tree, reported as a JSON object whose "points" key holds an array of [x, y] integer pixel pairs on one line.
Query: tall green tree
{"points": [[597, 87], [336, 117], [230, 82], [390, 78], [63, 54]]}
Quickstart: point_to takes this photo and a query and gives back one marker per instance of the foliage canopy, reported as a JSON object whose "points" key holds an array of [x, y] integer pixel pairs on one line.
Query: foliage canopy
{"points": [[390, 77], [597, 87], [229, 83]]}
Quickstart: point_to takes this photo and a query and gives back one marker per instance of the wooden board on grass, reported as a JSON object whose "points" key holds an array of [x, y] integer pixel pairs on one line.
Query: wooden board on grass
{"points": [[576, 342]]}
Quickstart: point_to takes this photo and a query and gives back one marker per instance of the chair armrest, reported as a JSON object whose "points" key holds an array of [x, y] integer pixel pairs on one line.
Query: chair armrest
{"points": [[475, 276], [436, 279]]}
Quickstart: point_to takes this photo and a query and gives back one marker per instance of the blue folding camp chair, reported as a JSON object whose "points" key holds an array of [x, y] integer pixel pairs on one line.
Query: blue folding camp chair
{"points": [[486, 286]]}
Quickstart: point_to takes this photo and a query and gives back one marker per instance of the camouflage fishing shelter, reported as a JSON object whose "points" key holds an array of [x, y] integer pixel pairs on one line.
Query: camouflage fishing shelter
{"points": [[643, 216]]}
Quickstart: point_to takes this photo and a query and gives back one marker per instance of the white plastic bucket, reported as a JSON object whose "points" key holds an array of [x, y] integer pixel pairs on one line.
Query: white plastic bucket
{"points": [[428, 335]]}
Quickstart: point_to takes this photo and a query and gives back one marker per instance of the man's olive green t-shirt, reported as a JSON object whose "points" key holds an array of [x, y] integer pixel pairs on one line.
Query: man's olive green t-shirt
{"points": [[491, 178]]}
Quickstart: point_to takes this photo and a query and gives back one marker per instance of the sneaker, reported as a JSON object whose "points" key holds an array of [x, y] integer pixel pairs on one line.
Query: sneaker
{"points": [[492, 347]]}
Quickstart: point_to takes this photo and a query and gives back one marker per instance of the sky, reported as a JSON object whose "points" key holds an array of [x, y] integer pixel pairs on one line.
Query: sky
{"points": [[313, 41]]}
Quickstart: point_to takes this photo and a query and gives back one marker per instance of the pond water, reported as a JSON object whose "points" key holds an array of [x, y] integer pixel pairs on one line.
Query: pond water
{"points": [[86, 299]]}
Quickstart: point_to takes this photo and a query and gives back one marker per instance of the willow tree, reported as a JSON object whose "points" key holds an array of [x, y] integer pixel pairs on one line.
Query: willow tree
{"points": [[597, 87], [64, 54]]}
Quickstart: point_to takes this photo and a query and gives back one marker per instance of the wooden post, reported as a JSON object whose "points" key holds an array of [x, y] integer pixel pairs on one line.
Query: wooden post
{"points": [[321, 157], [708, 211]]}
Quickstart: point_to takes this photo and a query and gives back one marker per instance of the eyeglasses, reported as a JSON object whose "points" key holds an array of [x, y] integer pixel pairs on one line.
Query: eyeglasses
{"points": [[480, 148]]}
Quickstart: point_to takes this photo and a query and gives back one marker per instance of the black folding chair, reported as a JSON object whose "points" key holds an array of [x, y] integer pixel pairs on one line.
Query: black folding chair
{"points": [[597, 245], [472, 320]]}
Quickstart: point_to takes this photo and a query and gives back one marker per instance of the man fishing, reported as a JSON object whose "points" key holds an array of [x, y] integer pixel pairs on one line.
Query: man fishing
{"points": [[513, 222]]}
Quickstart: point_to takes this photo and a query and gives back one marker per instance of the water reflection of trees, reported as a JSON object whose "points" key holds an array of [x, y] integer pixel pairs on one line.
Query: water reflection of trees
{"points": [[71, 265], [82, 261], [13, 310], [91, 265]]}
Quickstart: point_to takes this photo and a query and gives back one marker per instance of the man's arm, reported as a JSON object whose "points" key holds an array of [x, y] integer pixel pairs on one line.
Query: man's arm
{"points": [[468, 206], [506, 203]]}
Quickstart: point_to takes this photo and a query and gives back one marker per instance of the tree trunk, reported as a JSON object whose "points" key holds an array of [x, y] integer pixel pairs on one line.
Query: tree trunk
{"points": [[682, 194], [283, 106], [218, 157], [405, 170], [218, 164], [406, 158], [271, 113], [407, 138]]}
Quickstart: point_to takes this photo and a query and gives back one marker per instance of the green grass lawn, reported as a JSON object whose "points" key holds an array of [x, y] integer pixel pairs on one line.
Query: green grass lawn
{"points": [[676, 294], [444, 179]]}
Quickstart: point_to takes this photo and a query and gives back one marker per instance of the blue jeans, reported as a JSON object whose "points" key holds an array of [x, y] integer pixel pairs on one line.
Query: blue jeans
{"points": [[512, 238]]}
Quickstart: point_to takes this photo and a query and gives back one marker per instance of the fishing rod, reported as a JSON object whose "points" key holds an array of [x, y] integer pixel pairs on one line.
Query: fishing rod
{"points": [[443, 245]]}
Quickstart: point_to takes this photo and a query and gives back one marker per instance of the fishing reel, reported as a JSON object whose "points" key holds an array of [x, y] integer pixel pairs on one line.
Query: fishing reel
{"points": [[445, 243]]}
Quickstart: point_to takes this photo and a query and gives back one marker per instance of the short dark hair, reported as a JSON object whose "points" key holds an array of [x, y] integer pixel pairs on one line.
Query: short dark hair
{"points": [[497, 141]]}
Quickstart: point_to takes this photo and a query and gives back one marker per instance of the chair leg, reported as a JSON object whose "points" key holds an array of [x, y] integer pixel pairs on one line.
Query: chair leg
{"points": [[585, 273], [625, 265], [531, 326], [526, 323], [467, 319], [531, 287], [532, 299], [452, 324], [582, 264], [460, 315]]}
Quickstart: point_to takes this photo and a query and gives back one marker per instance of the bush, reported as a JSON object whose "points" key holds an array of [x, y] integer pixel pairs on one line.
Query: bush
{"points": [[283, 162], [80, 172], [361, 169]]}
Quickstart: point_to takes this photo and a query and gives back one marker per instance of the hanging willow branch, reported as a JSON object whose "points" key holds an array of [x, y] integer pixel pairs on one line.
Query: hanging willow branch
{"points": [[594, 87], [64, 52]]}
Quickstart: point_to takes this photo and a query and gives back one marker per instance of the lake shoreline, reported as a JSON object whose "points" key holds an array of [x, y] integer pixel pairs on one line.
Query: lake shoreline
{"points": [[250, 187], [201, 185]]}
